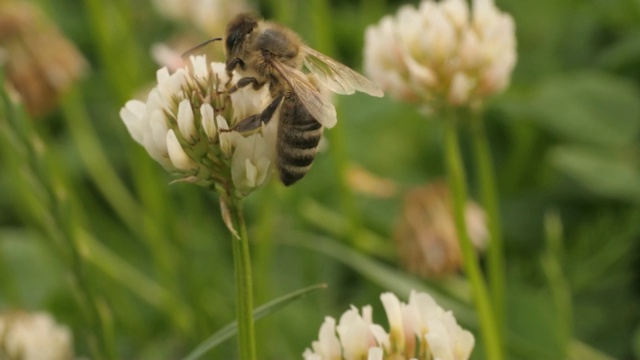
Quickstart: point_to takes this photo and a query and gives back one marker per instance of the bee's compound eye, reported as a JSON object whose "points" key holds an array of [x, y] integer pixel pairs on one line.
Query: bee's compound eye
{"points": [[231, 39]]}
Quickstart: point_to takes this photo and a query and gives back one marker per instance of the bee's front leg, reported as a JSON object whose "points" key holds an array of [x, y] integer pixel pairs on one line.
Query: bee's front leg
{"points": [[254, 121], [244, 82], [231, 64]]}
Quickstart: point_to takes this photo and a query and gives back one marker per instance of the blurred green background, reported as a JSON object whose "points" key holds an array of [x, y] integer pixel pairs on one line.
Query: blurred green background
{"points": [[157, 257]]}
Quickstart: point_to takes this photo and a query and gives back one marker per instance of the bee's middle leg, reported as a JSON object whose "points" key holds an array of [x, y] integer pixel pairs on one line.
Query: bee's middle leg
{"points": [[254, 121]]}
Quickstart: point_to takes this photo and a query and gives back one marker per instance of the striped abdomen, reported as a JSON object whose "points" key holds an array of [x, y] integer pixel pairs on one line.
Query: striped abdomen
{"points": [[298, 137]]}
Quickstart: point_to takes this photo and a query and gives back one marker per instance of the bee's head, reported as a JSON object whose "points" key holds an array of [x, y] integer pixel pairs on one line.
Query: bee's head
{"points": [[237, 32]]}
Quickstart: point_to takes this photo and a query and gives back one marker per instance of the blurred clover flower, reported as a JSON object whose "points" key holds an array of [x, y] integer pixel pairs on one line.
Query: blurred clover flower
{"points": [[185, 126], [209, 16], [442, 52], [40, 63], [426, 234], [419, 329], [34, 336]]}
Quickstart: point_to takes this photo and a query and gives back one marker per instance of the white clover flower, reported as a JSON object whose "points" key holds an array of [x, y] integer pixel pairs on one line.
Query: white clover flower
{"points": [[442, 52], [186, 125], [419, 329], [34, 336]]}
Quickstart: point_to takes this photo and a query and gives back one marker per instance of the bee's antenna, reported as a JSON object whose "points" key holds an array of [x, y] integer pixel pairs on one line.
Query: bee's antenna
{"points": [[188, 52]]}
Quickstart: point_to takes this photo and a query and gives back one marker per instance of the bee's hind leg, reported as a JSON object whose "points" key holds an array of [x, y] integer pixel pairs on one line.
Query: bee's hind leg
{"points": [[255, 121]]}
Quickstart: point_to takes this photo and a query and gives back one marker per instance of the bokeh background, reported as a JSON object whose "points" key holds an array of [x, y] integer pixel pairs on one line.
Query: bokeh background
{"points": [[78, 196]]}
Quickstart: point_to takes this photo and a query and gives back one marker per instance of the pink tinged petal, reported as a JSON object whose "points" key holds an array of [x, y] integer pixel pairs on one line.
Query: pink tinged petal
{"points": [[164, 55], [381, 55], [421, 75], [460, 89], [185, 121], [457, 11], [408, 27], [441, 36], [132, 115], [380, 335], [375, 353], [208, 121], [493, 79], [178, 156], [392, 308], [470, 50], [412, 326], [484, 12]]}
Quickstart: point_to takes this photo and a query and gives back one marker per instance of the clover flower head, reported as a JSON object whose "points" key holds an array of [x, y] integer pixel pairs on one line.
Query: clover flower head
{"points": [[187, 125], [419, 329], [442, 52], [426, 234], [209, 16], [33, 336]]}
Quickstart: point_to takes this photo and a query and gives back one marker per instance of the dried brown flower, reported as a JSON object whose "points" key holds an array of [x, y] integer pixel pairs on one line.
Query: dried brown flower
{"points": [[426, 234], [40, 63]]}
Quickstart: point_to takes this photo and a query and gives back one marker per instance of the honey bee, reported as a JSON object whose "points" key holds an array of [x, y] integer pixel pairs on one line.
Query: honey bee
{"points": [[262, 53]]}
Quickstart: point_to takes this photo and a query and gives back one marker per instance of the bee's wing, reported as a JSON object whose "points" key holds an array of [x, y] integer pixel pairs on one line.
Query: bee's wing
{"points": [[336, 76], [318, 106]]}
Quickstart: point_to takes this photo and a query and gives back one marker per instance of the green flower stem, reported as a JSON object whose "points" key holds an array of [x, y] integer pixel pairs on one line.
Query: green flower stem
{"points": [[559, 287], [485, 171], [244, 290], [457, 184]]}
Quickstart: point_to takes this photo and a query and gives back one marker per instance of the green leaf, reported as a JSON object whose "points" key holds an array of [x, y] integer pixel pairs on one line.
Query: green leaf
{"points": [[402, 283], [636, 342], [231, 329], [623, 54], [601, 172], [451, 296], [590, 107]]}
